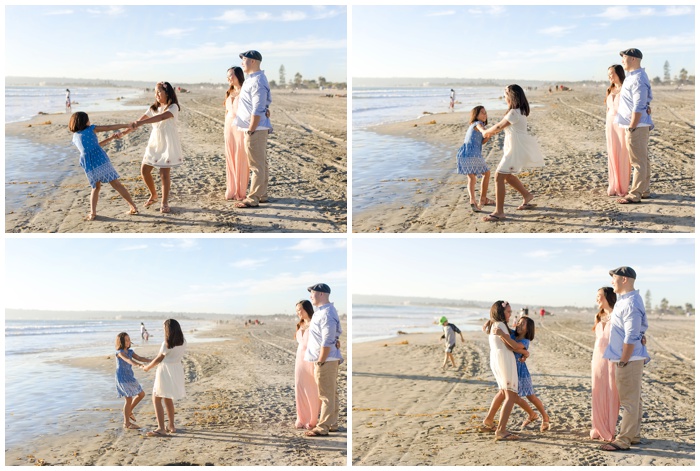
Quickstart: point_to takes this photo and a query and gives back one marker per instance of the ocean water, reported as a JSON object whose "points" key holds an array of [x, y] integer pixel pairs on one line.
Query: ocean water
{"points": [[379, 160], [376, 322], [23, 103], [42, 394]]}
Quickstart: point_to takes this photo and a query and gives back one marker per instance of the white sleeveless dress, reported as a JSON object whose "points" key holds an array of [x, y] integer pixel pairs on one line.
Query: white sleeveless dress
{"points": [[502, 360], [520, 150], [163, 149]]}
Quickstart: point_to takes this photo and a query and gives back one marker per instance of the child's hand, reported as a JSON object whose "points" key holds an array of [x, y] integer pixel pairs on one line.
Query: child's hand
{"points": [[522, 359], [118, 135]]}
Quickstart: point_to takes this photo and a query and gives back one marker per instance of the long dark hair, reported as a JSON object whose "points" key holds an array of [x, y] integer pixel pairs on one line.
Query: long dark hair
{"points": [[169, 93], [475, 113], [529, 328], [517, 99], [120, 343], [173, 334], [610, 297], [497, 314], [238, 72], [309, 308], [620, 72]]}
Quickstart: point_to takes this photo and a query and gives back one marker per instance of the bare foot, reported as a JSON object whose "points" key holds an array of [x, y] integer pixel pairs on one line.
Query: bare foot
{"points": [[164, 208], [171, 430], [91, 217], [487, 202]]}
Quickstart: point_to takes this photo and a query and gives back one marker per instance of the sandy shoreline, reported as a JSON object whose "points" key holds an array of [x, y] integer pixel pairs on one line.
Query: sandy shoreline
{"points": [[307, 156], [239, 410], [407, 411], [570, 190]]}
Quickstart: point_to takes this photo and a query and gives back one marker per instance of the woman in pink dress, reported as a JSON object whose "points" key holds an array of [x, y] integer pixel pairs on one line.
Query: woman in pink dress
{"points": [[305, 388], [605, 402], [236, 158], [618, 157]]}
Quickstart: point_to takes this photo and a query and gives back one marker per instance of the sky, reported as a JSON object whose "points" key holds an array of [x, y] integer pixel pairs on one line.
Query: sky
{"points": [[532, 271], [549, 43], [186, 44], [204, 275]]}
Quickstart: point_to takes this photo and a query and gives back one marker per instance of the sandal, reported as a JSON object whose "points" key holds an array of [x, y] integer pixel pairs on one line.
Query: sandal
{"points": [[530, 420], [525, 206], [313, 433], [488, 202], [156, 433], [544, 427], [150, 202], [507, 437], [612, 447], [90, 217], [475, 208], [493, 218], [165, 209], [132, 426], [483, 428], [132, 211]]}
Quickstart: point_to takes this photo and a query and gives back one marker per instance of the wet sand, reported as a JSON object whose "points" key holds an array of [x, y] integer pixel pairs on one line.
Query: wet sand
{"points": [[407, 411], [570, 191], [239, 410], [307, 156]]}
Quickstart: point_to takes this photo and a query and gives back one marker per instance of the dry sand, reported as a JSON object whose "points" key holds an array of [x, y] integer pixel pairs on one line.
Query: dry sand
{"points": [[407, 411], [239, 410], [571, 190], [307, 157]]}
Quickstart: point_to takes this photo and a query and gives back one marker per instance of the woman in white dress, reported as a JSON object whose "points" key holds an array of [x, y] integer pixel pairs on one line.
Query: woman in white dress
{"points": [[504, 369], [520, 151], [169, 384], [163, 150]]}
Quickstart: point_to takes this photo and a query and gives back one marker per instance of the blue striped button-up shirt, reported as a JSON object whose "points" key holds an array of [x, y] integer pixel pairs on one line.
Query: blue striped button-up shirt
{"points": [[255, 98], [635, 97], [628, 324]]}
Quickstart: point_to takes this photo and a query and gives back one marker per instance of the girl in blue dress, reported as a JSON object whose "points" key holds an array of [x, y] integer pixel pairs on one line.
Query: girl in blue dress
{"points": [[470, 161], [127, 386], [94, 160], [524, 333]]}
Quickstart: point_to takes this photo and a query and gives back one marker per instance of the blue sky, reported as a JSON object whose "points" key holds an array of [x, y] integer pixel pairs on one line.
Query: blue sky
{"points": [[535, 271], [204, 275], [518, 42], [176, 43]]}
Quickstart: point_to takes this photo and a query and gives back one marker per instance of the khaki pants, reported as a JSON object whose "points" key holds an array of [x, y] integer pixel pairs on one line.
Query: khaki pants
{"points": [[327, 380], [638, 148], [629, 387], [256, 150]]}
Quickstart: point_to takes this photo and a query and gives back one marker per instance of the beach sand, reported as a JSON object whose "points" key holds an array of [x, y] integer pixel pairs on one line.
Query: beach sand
{"points": [[570, 191], [407, 411], [239, 410], [307, 156]]}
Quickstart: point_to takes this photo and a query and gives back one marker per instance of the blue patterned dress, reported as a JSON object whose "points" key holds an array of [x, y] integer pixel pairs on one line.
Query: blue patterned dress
{"points": [[524, 380], [469, 159], [93, 158], [127, 386]]}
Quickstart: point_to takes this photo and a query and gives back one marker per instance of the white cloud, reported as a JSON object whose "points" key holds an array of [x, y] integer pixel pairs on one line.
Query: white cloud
{"points": [[181, 244], [249, 263], [619, 13], [107, 11], [242, 16], [493, 10], [542, 253], [134, 247], [59, 12], [175, 32], [318, 245], [442, 13], [557, 31]]}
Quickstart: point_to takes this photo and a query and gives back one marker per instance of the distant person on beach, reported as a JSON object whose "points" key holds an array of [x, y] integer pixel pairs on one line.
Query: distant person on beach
{"points": [[68, 103], [448, 335], [127, 386], [255, 99], [504, 370], [627, 352], [324, 332], [169, 384], [618, 157], [237, 171], [542, 313], [94, 160], [633, 115], [470, 160], [305, 388], [605, 402], [520, 151], [163, 149], [524, 334], [144, 332], [452, 99]]}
